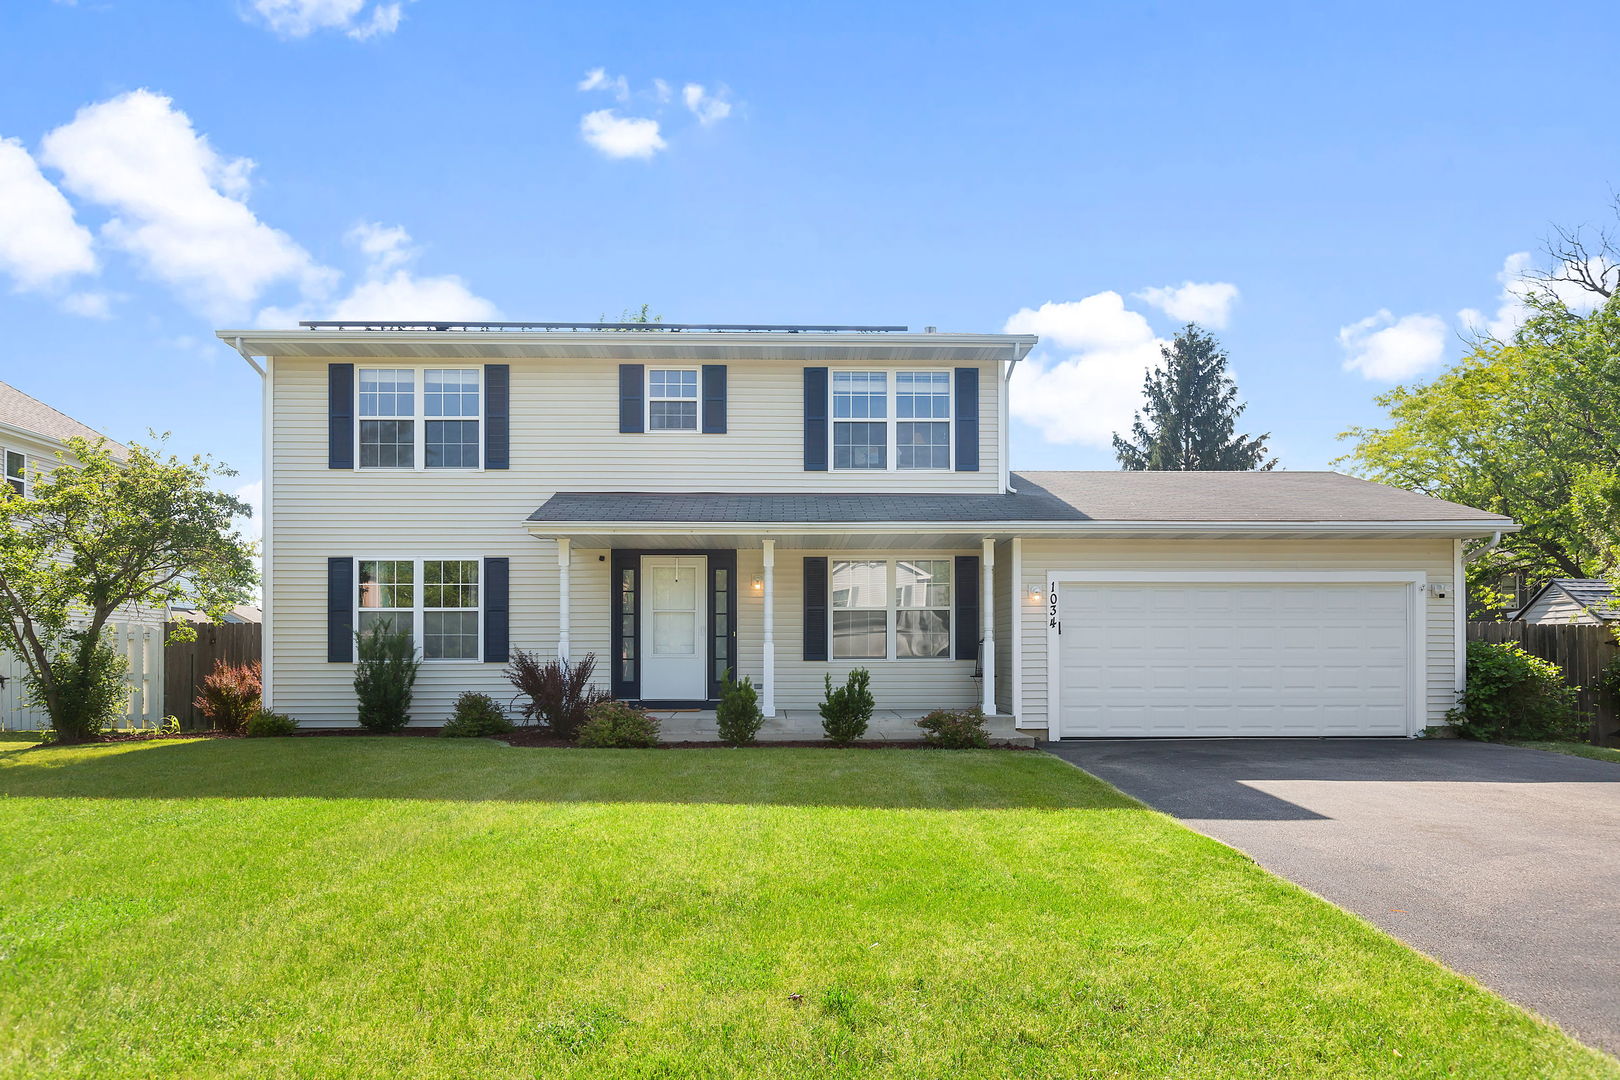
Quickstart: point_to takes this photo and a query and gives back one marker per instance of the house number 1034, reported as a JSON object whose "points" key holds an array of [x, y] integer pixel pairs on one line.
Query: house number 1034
{"points": [[1052, 610]]}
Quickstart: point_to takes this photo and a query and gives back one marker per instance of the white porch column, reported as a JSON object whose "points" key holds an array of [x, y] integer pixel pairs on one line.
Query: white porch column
{"points": [[987, 615], [564, 557], [768, 694]]}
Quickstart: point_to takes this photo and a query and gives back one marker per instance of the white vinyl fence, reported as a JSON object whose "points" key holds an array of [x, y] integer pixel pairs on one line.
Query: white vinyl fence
{"points": [[140, 642]]}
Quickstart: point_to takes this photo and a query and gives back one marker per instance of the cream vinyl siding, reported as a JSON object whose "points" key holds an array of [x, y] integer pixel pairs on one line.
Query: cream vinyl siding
{"points": [[1433, 557], [565, 437]]}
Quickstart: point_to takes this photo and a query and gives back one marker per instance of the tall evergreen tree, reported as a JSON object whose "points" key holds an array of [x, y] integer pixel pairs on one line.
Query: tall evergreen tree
{"points": [[1192, 409]]}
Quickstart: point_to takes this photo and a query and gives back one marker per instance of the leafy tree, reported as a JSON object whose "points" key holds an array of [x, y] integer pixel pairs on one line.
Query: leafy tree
{"points": [[1529, 428], [98, 534], [1192, 411]]}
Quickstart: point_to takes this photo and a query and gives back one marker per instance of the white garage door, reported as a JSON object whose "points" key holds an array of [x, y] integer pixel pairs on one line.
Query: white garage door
{"points": [[1234, 658]]}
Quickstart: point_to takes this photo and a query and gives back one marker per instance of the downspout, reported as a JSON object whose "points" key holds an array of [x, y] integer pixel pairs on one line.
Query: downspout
{"points": [[1480, 553], [267, 466], [1006, 425]]}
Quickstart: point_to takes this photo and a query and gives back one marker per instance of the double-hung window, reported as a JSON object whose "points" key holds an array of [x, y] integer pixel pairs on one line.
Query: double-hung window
{"points": [[672, 399], [436, 601], [891, 609], [16, 464], [891, 420], [420, 418]]}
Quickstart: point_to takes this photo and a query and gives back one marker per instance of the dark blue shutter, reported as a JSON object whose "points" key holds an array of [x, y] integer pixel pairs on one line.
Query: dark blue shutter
{"points": [[497, 417], [632, 398], [967, 607], [815, 606], [714, 399], [815, 421], [967, 419], [340, 416], [497, 610], [339, 610]]}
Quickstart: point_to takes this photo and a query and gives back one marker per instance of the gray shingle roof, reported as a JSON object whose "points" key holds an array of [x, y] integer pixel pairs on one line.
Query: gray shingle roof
{"points": [[31, 414], [1594, 594], [1042, 496]]}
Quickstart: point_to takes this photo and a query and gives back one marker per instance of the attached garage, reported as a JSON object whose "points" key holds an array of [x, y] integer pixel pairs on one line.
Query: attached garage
{"points": [[1236, 654]]}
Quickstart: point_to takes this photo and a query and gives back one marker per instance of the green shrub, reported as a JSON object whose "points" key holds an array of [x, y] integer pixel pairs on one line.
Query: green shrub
{"points": [[1513, 695], [1607, 682], [265, 724], [738, 716], [230, 695], [953, 730], [617, 725], [93, 695], [475, 717], [846, 710], [385, 676]]}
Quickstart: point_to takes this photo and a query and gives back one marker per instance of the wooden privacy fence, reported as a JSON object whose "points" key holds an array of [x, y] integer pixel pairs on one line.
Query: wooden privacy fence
{"points": [[1580, 650], [186, 663]]}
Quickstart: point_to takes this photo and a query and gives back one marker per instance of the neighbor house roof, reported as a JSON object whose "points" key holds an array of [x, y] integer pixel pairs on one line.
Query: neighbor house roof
{"points": [[1594, 595], [1076, 498], [30, 414]]}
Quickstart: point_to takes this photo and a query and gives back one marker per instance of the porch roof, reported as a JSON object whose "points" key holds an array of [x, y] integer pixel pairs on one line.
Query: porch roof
{"points": [[1045, 503]]}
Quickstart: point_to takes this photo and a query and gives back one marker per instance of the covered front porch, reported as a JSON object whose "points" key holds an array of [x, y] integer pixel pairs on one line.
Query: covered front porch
{"points": [[787, 604]]}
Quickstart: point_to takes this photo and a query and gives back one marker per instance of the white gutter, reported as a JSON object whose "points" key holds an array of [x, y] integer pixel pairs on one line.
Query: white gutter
{"points": [[254, 364], [267, 474], [1078, 530], [1006, 423], [1496, 539]]}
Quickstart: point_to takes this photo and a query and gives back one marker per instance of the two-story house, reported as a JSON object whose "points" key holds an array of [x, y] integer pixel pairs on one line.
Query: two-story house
{"points": [[793, 502]]}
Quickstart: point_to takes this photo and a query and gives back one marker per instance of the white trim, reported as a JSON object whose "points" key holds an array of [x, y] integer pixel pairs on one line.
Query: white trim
{"points": [[565, 560], [419, 596], [1029, 529], [267, 497], [419, 418], [1017, 631], [987, 625], [1459, 626], [647, 400], [768, 668], [1417, 580]]}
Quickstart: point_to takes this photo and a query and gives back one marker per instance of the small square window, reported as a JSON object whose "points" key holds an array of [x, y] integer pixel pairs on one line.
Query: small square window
{"points": [[672, 399]]}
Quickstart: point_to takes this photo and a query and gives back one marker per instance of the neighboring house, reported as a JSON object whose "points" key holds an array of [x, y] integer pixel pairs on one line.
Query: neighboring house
{"points": [[31, 435], [793, 503], [1571, 600]]}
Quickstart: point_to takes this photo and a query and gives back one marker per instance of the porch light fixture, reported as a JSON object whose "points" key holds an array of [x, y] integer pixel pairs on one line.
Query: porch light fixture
{"points": [[757, 584], [1036, 594]]}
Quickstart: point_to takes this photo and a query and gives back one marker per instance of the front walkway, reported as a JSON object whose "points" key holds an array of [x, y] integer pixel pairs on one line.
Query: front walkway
{"points": [[800, 725], [1503, 863]]}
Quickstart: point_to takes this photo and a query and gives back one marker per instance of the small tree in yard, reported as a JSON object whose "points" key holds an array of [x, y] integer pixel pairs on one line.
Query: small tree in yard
{"points": [[385, 676], [101, 533]]}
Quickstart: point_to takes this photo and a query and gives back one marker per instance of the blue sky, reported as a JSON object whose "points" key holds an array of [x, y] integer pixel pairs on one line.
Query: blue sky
{"points": [[1337, 183]]}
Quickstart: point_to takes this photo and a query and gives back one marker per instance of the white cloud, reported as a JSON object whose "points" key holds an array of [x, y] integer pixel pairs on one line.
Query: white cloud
{"points": [[253, 495], [359, 19], [389, 290], [598, 79], [177, 203], [41, 245], [1516, 284], [91, 305], [1084, 383], [662, 90], [621, 136], [1388, 349], [708, 108], [1206, 303]]}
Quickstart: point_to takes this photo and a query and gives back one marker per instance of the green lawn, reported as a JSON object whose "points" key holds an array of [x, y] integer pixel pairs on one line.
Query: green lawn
{"points": [[419, 908], [1586, 750]]}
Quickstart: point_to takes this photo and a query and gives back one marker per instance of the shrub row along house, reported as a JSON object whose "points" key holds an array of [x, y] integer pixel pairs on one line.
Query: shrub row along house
{"points": [[792, 502]]}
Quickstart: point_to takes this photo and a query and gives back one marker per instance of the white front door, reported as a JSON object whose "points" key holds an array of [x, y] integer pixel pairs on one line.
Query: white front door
{"points": [[673, 629]]}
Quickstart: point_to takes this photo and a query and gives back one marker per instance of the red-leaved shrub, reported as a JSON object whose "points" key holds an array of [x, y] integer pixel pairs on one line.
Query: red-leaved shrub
{"points": [[230, 695]]}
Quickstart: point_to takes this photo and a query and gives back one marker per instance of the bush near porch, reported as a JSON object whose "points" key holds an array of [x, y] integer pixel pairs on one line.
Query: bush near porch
{"points": [[387, 907]]}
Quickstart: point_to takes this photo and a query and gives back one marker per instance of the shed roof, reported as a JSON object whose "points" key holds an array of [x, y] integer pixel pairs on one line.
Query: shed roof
{"points": [[1595, 595]]}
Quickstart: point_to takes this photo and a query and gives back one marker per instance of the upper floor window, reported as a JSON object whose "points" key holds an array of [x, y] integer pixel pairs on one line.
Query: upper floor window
{"points": [[17, 471], [672, 399], [436, 601], [415, 418], [891, 420]]}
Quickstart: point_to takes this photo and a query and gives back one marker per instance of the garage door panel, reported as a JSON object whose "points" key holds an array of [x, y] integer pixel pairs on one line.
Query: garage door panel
{"points": [[1213, 659]]}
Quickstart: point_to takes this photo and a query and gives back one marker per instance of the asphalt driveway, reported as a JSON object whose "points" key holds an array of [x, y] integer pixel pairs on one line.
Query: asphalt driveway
{"points": [[1502, 863]]}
